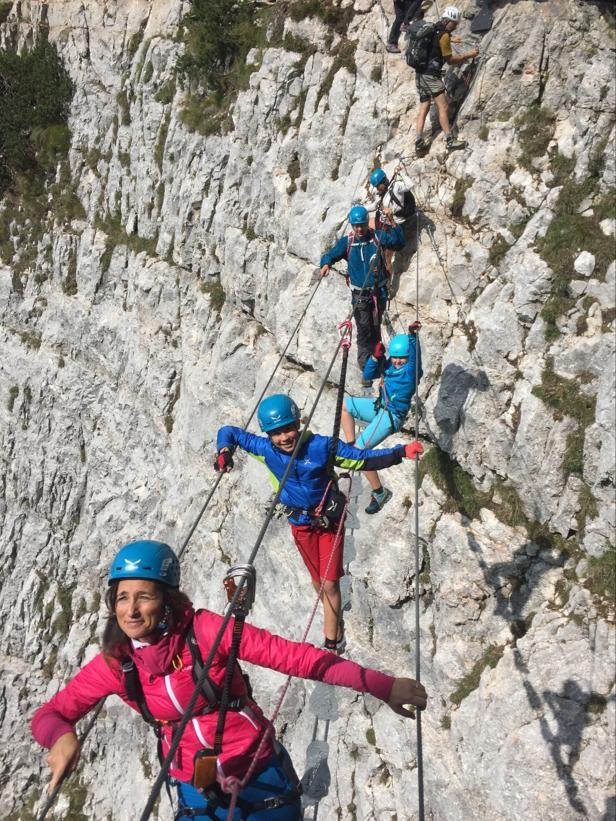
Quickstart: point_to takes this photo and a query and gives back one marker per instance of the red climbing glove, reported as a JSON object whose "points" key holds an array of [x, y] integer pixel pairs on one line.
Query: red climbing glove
{"points": [[379, 350], [414, 327], [223, 462], [413, 450]]}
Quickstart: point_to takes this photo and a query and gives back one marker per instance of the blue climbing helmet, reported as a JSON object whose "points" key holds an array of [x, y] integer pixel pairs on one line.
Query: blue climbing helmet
{"points": [[146, 559], [358, 215], [377, 177], [276, 411], [400, 345]]}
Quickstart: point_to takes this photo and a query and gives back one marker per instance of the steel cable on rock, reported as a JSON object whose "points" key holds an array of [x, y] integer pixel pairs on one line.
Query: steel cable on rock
{"points": [[99, 706]]}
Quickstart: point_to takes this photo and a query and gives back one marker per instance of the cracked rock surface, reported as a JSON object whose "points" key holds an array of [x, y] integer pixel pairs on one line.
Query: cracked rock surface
{"points": [[110, 398]]}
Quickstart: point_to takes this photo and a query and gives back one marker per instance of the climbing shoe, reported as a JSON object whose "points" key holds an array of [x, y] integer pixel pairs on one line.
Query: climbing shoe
{"points": [[455, 144], [378, 499], [337, 646], [366, 383], [422, 145], [392, 48]]}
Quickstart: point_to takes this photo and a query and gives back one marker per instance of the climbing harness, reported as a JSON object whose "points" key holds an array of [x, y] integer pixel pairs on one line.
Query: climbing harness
{"points": [[205, 761]]}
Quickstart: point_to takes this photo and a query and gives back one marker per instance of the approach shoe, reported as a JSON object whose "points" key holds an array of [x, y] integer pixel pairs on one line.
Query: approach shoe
{"points": [[335, 646], [378, 499], [392, 48], [422, 144], [455, 144]]}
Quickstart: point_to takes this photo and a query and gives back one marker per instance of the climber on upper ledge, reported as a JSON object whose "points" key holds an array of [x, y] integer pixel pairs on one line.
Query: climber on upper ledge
{"points": [[312, 502], [428, 50], [386, 415], [363, 249]]}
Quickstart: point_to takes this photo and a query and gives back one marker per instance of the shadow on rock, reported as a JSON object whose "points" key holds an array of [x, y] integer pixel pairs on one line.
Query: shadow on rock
{"points": [[512, 583], [456, 384], [570, 713], [403, 259]]}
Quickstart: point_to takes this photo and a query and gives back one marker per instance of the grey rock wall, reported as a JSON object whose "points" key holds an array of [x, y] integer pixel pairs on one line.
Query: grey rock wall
{"points": [[110, 400]]}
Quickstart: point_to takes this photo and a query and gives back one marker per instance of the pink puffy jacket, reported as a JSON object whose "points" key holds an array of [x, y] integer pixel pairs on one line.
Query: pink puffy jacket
{"points": [[165, 673]]}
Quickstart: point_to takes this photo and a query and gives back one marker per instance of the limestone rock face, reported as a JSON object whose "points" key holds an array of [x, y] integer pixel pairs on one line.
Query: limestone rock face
{"points": [[193, 261]]}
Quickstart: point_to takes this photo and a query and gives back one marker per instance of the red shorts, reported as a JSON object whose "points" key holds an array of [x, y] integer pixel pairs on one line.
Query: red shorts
{"points": [[316, 545]]}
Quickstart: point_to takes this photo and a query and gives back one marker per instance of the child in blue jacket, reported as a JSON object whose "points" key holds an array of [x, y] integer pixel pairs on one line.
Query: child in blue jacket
{"points": [[387, 414], [363, 249], [309, 496]]}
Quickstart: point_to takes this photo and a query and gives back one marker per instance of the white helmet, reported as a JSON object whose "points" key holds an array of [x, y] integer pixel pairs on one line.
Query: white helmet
{"points": [[451, 13]]}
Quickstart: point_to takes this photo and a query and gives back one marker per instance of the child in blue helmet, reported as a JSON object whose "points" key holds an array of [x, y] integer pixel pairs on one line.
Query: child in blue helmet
{"points": [[364, 251], [309, 496], [386, 415]]}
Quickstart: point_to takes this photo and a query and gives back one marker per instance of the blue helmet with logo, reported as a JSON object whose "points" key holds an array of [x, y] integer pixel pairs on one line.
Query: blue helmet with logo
{"points": [[277, 411], [400, 345], [358, 215], [146, 559], [377, 177]]}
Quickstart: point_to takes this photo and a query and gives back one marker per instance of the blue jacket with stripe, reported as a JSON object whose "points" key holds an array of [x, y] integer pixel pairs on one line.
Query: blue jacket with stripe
{"points": [[308, 480], [399, 382], [364, 257]]}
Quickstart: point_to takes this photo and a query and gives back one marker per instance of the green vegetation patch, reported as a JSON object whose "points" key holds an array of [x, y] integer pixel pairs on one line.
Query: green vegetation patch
{"points": [[459, 196], [564, 396], [470, 682], [35, 182], [218, 35], [601, 577], [571, 232], [216, 292], [453, 480], [535, 130], [335, 18], [36, 96]]}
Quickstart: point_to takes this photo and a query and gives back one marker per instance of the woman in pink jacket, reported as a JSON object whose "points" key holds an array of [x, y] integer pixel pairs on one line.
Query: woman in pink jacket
{"points": [[147, 661]]}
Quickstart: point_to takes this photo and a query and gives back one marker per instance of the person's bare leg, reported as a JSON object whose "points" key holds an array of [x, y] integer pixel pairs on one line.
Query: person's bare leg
{"points": [[373, 479], [442, 108], [422, 113], [332, 604], [348, 425]]}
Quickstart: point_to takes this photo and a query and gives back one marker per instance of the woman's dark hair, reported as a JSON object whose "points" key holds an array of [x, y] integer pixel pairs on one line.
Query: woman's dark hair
{"points": [[115, 642]]}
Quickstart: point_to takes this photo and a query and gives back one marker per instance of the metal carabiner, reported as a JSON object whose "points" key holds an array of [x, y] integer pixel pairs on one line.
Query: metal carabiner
{"points": [[345, 330], [247, 596]]}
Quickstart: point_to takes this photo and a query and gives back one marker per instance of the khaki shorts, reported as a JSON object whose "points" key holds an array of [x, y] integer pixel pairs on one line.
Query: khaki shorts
{"points": [[429, 86]]}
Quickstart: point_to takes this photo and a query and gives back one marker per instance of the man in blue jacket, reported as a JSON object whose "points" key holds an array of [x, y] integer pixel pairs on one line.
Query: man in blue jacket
{"points": [[386, 415], [363, 250], [312, 503]]}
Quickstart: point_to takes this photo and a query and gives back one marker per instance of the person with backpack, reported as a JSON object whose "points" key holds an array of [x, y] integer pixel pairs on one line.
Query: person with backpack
{"points": [[392, 204], [363, 249], [386, 415], [404, 11], [429, 48], [153, 643], [312, 502]]}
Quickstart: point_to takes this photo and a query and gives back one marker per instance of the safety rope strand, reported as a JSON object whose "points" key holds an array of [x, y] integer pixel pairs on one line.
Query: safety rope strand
{"points": [[345, 329], [420, 784], [235, 785]]}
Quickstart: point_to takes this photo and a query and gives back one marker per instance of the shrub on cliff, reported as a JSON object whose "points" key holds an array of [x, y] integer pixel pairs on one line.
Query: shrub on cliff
{"points": [[35, 92]]}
